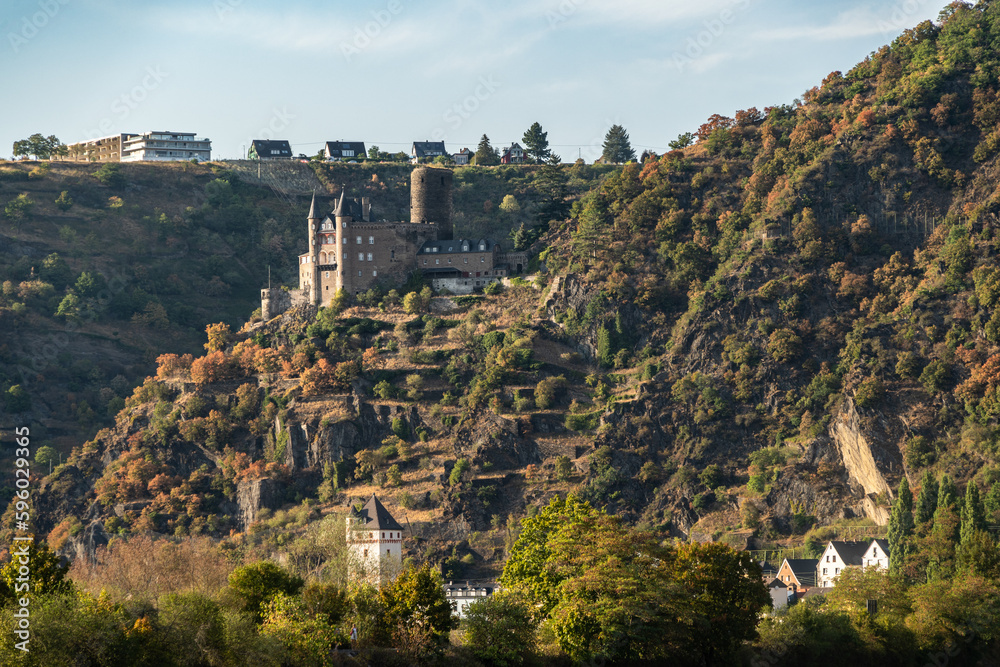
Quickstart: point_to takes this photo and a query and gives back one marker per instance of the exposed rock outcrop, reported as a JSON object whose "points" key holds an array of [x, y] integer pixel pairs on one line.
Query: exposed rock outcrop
{"points": [[254, 495], [867, 458]]}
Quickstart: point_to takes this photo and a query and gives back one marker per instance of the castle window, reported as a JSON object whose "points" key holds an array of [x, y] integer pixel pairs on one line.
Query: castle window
{"points": [[345, 254], [425, 261], [482, 259], [369, 257], [371, 240], [344, 224], [449, 260], [361, 256], [374, 274], [345, 240], [392, 254], [482, 246], [327, 275], [437, 261], [359, 240], [466, 260], [359, 274], [383, 536]]}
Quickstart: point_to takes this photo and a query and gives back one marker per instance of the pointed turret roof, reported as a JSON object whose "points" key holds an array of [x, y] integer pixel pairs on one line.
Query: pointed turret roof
{"points": [[312, 207], [374, 515], [339, 211]]}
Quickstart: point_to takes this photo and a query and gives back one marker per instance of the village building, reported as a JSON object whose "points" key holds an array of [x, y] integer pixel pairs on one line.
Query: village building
{"points": [[374, 544], [460, 596], [513, 154], [798, 573], [344, 150], [426, 150], [103, 149], [270, 149], [837, 556], [165, 147], [877, 555], [142, 147], [462, 157]]}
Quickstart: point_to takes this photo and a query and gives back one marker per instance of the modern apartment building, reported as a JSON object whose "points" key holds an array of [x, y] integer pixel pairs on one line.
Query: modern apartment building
{"points": [[165, 147]]}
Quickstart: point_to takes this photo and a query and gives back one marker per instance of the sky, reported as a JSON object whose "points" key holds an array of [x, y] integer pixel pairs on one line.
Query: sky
{"points": [[390, 72]]}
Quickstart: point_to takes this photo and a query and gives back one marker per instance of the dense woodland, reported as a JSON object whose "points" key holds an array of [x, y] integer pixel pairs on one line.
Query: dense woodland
{"points": [[607, 437]]}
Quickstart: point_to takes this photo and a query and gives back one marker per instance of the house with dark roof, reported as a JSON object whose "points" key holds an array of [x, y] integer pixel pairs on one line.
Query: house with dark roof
{"points": [[798, 573], [344, 150], [838, 555], [374, 542], [462, 157], [460, 595], [270, 149], [426, 150]]}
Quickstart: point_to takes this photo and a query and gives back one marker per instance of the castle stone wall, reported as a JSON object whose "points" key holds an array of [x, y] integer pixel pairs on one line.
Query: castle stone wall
{"points": [[430, 199]]}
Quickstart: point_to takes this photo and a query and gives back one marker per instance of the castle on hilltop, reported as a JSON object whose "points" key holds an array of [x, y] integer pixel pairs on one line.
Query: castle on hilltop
{"points": [[349, 250]]}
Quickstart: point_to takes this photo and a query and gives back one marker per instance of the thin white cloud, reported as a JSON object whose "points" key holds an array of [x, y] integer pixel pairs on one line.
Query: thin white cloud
{"points": [[861, 22]]}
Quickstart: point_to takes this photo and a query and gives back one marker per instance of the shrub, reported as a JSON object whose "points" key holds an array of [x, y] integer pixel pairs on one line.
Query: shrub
{"points": [[461, 467], [869, 393]]}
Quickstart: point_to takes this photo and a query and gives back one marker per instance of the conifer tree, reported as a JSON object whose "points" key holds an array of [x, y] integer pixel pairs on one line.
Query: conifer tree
{"points": [[617, 147], [927, 500], [485, 153], [536, 143], [973, 513], [900, 528]]}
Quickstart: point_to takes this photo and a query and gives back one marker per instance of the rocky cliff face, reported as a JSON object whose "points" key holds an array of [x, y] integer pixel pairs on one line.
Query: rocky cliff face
{"points": [[869, 457], [254, 495]]}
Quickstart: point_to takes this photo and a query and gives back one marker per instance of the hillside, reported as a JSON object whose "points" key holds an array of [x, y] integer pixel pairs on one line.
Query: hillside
{"points": [[751, 339], [135, 261]]}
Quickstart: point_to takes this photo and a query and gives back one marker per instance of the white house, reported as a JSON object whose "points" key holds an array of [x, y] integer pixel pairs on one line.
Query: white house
{"points": [[462, 595], [838, 556], [877, 555], [165, 147], [375, 543]]}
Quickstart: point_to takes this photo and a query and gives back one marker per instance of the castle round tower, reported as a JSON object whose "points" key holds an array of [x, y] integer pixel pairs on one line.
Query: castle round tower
{"points": [[430, 198]]}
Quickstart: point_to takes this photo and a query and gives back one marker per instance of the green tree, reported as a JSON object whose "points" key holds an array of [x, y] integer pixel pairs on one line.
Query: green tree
{"points": [[485, 154], [256, 583], [111, 174], [536, 143], [195, 622], [416, 597], [617, 599], [973, 513], [926, 499], [411, 303], [500, 629], [47, 573], [64, 202], [462, 466], [308, 638], [525, 568], [16, 399], [509, 205], [39, 146], [18, 209], [900, 531], [683, 140], [617, 147], [45, 455]]}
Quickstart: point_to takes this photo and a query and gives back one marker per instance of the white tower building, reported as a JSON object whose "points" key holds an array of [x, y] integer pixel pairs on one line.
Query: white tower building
{"points": [[374, 543]]}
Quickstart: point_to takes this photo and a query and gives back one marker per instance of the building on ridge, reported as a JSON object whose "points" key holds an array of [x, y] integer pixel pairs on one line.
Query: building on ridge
{"points": [[344, 150], [374, 544], [270, 149]]}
